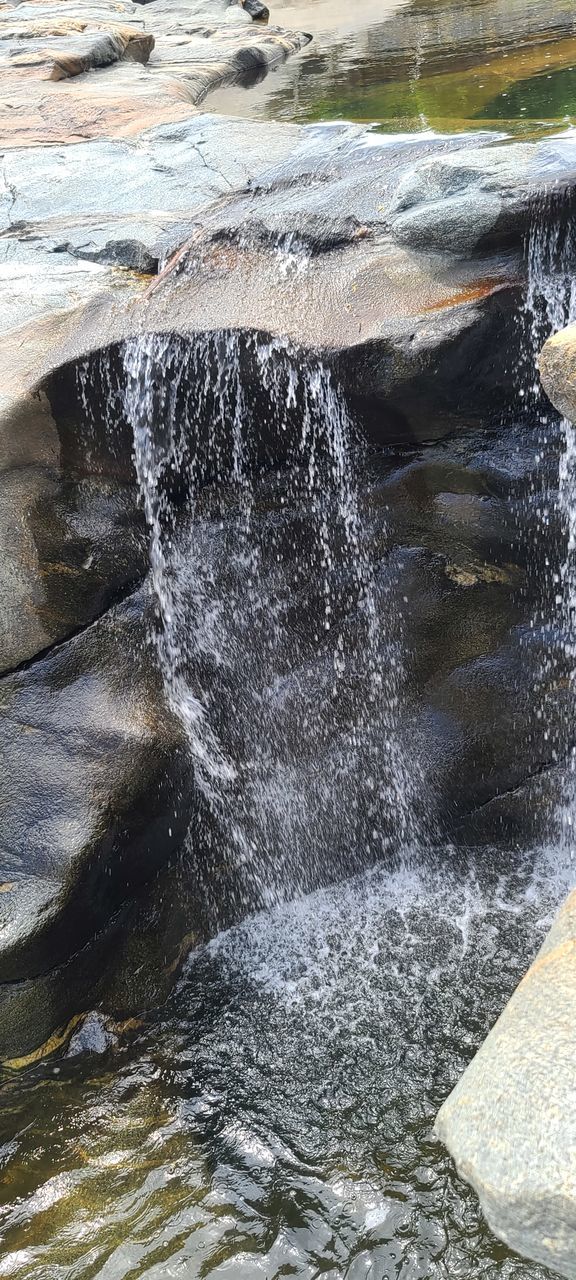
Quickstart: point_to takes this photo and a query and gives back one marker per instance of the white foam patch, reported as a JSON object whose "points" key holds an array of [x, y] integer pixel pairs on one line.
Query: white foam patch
{"points": [[424, 919]]}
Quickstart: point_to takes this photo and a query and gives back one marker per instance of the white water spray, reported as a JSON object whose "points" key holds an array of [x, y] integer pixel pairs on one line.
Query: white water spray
{"points": [[209, 415], [551, 305]]}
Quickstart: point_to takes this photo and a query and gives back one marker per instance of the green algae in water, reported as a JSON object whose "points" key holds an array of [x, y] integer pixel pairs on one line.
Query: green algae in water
{"points": [[544, 96], [427, 64]]}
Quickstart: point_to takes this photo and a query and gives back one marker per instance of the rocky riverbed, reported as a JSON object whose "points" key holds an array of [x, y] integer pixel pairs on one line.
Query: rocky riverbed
{"points": [[390, 294]]}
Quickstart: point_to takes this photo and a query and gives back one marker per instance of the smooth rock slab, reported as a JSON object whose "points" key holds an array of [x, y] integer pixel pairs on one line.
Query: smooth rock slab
{"points": [[34, 284], [62, 198], [198, 45], [510, 1123], [481, 197], [92, 795]]}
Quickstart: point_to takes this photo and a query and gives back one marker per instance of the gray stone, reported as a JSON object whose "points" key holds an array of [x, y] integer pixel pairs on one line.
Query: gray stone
{"points": [[35, 284], [91, 793], [510, 1123], [464, 201], [336, 171], [258, 11], [62, 198], [198, 45], [93, 1036], [70, 549], [60, 57], [72, 533]]}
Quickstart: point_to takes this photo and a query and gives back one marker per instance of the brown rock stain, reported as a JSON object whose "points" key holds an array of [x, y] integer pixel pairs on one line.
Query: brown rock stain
{"points": [[470, 293]]}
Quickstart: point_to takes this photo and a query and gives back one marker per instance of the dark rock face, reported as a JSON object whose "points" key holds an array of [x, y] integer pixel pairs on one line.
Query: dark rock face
{"points": [[126, 969], [71, 548], [72, 535], [90, 790], [488, 711], [94, 797], [450, 370], [95, 789]]}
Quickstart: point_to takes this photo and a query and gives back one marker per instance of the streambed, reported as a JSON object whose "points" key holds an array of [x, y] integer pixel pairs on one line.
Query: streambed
{"points": [[274, 1117]]}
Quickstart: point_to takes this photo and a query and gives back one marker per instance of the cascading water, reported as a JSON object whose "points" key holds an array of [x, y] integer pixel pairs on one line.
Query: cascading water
{"points": [[287, 679], [550, 305], [275, 1116], [283, 1101]]}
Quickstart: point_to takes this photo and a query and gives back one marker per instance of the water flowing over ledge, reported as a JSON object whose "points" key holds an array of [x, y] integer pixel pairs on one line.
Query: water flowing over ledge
{"points": [[292, 639], [200, 412]]}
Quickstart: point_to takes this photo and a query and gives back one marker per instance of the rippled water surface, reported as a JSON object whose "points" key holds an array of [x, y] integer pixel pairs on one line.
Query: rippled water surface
{"points": [[442, 64], [275, 1119]]}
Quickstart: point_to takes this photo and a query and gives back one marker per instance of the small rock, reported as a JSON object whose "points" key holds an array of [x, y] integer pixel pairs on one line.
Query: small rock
{"points": [[558, 371], [258, 11], [92, 1037]]}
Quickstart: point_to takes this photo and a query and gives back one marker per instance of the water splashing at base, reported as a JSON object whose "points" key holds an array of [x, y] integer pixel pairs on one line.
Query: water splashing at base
{"points": [[279, 649]]}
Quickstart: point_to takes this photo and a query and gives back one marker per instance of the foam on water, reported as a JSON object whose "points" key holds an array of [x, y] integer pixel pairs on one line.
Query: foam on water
{"points": [[309, 950]]}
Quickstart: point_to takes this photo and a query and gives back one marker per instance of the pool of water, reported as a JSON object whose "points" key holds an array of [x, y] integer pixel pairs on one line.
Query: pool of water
{"points": [[415, 64], [276, 1118]]}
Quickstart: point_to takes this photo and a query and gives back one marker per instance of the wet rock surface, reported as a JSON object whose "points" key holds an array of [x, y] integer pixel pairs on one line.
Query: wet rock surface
{"points": [[94, 797], [71, 547], [464, 203], [509, 1123], [482, 693], [60, 199]]}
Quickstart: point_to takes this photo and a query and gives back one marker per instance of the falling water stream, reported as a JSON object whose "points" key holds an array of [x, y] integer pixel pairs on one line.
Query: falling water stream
{"points": [[550, 305], [275, 1117], [288, 688]]}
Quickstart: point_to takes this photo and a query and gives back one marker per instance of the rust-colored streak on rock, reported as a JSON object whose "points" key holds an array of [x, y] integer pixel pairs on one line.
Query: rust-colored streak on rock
{"points": [[56, 120], [471, 293]]}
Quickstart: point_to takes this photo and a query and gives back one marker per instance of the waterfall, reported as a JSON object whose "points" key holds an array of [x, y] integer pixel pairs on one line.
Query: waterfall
{"points": [[289, 687], [550, 306]]}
